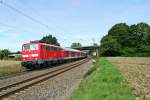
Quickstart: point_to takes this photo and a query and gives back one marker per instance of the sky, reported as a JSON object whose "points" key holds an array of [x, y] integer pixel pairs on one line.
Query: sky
{"points": [[84, 21]]}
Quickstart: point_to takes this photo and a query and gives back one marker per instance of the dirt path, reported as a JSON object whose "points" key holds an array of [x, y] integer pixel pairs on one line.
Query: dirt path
{"points": [[137, 72]]}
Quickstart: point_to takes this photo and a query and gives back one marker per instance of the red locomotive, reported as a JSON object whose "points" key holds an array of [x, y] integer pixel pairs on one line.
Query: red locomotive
{"points": [[37, 55]]}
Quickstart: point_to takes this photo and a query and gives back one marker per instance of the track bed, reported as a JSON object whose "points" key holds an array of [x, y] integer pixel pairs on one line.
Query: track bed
{"points": [[19, 83]]}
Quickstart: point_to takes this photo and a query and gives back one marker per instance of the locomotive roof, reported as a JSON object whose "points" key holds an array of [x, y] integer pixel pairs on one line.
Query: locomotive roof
{"points": [[73, 50], [66, 49], [42, 44], [50, 45]]}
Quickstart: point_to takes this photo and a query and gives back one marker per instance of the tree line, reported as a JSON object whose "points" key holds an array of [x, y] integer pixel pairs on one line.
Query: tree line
{"points": [[4, 54], [125, 40], [49, 39]]}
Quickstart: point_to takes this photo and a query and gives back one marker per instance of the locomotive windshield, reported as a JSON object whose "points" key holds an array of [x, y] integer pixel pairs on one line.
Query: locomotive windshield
{"points": [[30, 47]]}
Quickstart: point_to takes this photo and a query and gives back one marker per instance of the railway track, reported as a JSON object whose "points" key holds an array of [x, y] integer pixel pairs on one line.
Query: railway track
{"points": [[16, 87]]}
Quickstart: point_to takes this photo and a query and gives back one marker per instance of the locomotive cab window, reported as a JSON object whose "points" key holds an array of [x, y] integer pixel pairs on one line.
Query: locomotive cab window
{"points": [[30, 47], [33, 47], [26, 47]]}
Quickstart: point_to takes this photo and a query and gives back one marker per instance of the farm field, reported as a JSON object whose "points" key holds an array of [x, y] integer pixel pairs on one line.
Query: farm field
{"points": [[10, 67], [137, 72]]}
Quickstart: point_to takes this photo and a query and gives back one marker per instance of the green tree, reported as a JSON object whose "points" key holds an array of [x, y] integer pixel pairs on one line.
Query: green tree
{"points": [[1, 54], [110, 47], [49, 39], [4, 53], [147, 39], [142, 32], [122, 34], [76, 45], [134, 40]]}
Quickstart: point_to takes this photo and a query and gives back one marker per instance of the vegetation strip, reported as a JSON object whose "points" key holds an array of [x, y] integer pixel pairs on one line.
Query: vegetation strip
{"points": [[104, 82], [10, 67]]}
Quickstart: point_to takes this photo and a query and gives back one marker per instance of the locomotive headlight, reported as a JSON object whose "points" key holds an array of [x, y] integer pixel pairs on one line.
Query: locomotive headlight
{"points": [[35, 55], [25, 55]]}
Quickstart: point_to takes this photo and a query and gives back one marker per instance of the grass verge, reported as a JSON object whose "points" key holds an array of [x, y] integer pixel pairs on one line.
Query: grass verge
{"points": [[104, 83]]}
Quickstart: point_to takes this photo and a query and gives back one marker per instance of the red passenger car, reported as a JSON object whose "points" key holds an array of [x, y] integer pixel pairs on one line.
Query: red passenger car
{"points": [[37, 55]]}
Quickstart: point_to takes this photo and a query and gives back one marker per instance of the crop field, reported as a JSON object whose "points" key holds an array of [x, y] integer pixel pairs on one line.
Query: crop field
{"points": [[10, 67], [137, 72]]}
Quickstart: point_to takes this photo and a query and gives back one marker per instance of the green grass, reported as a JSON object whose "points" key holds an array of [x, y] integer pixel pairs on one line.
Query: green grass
{"points": [[105, 82], [10, 67]]}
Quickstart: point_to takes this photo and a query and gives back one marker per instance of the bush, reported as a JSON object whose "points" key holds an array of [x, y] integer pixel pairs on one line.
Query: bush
{"points": [[4, 54], [17, 58], [145, 48], [128, 52], [110, 47], [142, 51]]}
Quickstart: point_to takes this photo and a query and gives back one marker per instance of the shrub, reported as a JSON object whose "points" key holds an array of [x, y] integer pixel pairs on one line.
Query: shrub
{"points": [[17, 58], [110, 47]]}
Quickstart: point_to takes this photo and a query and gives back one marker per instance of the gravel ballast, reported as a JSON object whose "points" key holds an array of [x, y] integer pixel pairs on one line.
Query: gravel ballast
{"points": [[58, 88]]}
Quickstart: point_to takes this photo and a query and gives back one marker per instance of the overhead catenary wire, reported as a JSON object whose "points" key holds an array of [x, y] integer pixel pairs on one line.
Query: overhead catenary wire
{"points": [[22, 13], [14, 27], [27, 16], [50, 20]]}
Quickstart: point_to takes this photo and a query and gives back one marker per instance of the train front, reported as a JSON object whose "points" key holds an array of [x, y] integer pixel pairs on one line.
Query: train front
{"points": [[30, 55]]}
